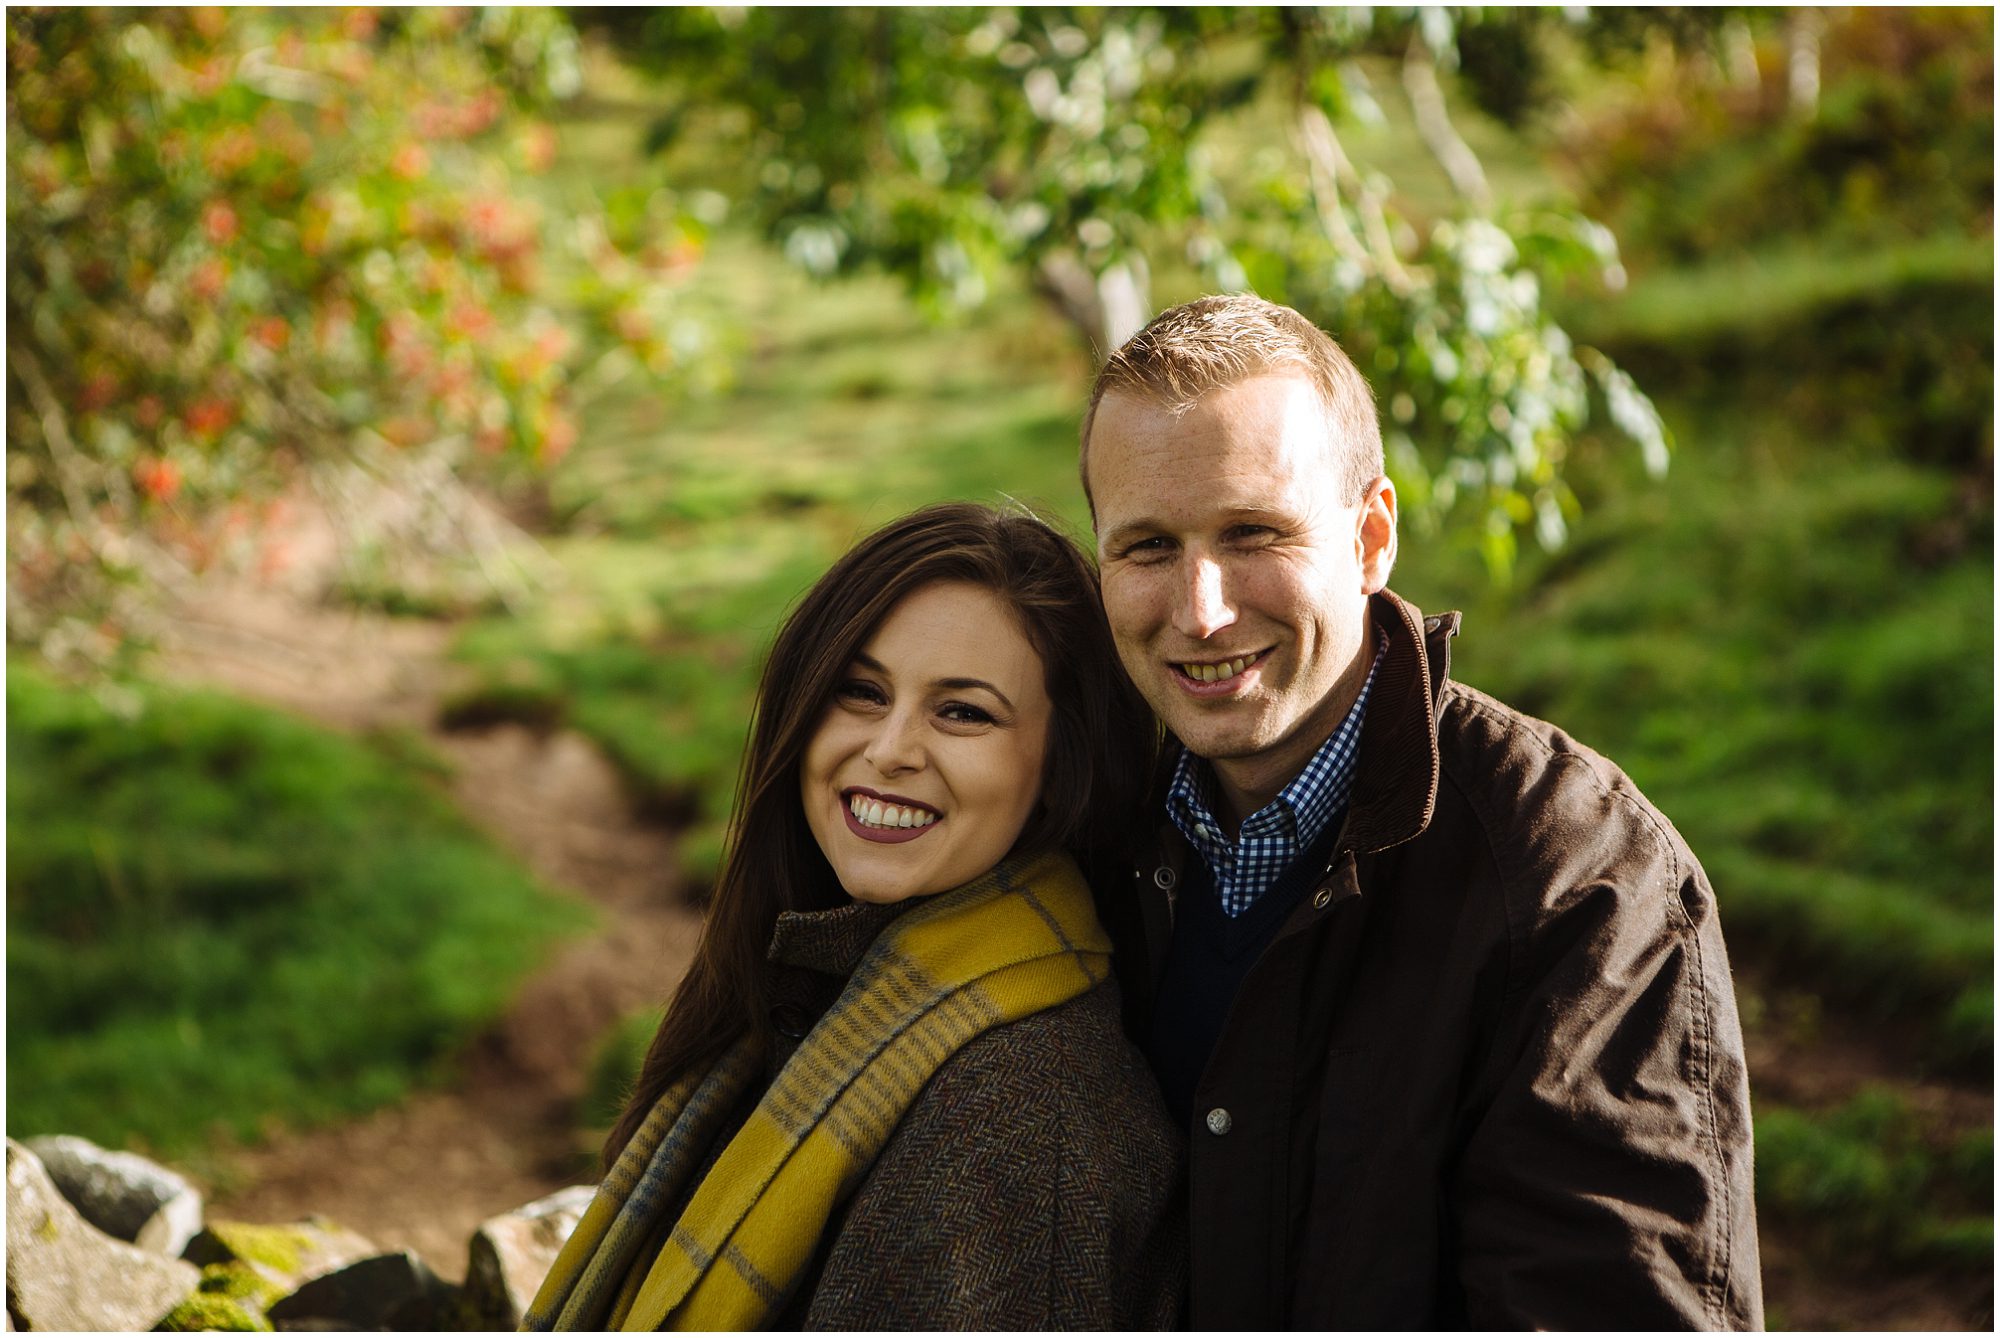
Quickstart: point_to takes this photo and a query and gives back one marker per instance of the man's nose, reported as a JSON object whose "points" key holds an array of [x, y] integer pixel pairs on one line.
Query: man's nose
{"points": [[1204, 607], [896, 747]]}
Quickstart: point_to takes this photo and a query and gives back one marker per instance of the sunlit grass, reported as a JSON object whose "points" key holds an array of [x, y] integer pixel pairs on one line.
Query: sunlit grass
{"points": [[220, 917]]}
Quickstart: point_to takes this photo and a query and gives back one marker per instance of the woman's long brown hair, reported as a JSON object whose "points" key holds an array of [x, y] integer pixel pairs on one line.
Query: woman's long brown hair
{"points": [[1101, 741]]}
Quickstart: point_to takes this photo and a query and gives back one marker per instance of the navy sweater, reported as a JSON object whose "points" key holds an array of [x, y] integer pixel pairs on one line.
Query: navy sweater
{"points": [[1210, 955]]}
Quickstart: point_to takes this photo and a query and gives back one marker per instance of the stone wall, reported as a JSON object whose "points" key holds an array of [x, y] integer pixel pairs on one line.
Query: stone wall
{"points": [[100, 1240]]}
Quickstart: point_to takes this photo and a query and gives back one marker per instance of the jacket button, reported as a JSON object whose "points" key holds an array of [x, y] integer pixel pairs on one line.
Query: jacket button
{"points": [[1219, 1122], [790, 1021], [1163, 877], [1431, 624], [1321, 898]]}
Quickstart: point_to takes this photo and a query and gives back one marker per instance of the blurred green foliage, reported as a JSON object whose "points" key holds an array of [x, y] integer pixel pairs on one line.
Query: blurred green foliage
{"points": [[1687, 162], [1874, 1179], [246, 247], [1073, 147], [218, 916]]}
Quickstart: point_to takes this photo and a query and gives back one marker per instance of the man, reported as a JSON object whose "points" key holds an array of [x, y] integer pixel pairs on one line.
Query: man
{"points": [[1441, 999]]}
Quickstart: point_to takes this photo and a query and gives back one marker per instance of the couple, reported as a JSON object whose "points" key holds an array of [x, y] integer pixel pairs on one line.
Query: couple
{"points": [[1418, 1014]]}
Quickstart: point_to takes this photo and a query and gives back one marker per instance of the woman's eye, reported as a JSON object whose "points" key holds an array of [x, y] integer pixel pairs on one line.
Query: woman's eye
{"points": [[860, 691], [964, 713]]}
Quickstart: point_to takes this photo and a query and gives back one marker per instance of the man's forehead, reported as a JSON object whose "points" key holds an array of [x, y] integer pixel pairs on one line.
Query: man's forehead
{"points": [[1276, 387], [1242, 444]]}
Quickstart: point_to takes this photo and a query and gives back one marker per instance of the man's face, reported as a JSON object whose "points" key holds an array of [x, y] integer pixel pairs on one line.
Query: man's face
{"points": [[1236, 574]]}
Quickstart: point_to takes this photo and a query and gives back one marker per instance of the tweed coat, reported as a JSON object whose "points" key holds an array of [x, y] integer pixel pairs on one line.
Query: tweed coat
{"points": [[1489, 1074], [1035, 1183]]}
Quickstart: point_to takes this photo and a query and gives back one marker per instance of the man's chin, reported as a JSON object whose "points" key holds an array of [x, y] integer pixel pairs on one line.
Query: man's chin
{"points": [[1204, 740]]}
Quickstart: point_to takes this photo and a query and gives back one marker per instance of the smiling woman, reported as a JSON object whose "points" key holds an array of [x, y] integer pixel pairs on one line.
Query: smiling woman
{"points": [[893, 1091], [947, 701]]}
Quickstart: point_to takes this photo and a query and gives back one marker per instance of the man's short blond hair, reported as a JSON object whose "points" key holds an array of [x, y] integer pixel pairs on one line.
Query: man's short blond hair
{"points": [[1212, 343]]}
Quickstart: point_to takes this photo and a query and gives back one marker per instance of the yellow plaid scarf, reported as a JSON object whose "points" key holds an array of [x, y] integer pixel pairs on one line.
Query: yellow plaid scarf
{"points": [[1020, 939]]}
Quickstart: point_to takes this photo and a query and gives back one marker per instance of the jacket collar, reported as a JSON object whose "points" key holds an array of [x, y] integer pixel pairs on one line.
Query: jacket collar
{"points": [[1396, 782], [832, 942], [1396, 779]]}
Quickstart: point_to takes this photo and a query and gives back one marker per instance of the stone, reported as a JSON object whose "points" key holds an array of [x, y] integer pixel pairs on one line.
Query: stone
{"points": [[510, 1255], [122, 1193], [287, 1257], [169, 1230], [63, 1273], [390, 1291]]}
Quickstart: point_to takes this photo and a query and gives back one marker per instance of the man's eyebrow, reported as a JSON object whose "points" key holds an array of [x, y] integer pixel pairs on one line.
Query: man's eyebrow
{"points": [[867, 661]]}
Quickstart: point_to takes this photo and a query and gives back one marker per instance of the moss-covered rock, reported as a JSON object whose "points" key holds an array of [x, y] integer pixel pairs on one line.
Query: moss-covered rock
{"points": [[286, 1257], [231, 1296], [205, 1313]]}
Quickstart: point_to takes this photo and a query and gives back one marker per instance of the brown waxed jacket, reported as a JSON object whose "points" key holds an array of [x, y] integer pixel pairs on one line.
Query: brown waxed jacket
{"points": [[1490, 1073]]}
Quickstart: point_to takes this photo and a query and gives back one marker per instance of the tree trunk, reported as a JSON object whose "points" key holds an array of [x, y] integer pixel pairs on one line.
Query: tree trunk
{"points": [[1105, 309], [1802, 32]]}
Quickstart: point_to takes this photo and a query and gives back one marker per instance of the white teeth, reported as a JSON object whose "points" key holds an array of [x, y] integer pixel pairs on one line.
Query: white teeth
{"points": [[874, 813]]}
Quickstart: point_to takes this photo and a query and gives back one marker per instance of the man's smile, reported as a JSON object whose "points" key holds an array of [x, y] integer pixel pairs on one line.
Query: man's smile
{"points": [[1218, 677]]}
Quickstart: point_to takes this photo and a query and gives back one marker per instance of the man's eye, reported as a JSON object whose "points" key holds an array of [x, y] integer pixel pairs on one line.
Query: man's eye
{"points": [[965, 713], [1148, 548], [1249, 534]]}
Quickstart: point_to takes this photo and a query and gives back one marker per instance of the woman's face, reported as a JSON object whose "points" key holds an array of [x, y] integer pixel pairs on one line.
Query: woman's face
{"points": [[928, 761]]}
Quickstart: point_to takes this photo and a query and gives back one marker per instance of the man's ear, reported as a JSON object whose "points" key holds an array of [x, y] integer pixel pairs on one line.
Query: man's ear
{"points": [[1375, 534]]}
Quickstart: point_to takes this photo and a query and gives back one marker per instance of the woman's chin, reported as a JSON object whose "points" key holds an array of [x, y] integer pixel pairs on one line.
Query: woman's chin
{"points": [[886, 891]]}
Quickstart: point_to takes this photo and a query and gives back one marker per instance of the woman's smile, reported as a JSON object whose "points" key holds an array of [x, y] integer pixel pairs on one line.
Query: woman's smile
{"points": [[887, 818]]}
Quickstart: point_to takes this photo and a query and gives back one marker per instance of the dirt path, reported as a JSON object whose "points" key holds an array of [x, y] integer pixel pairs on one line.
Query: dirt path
{"points": [[423, 1174]]}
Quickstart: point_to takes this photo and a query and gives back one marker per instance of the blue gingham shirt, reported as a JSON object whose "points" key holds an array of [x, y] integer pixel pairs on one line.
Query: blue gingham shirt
{"points": [[1272, 837]]}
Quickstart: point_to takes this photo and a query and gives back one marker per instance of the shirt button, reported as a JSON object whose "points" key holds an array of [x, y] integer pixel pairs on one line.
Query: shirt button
{"points": [[1321, 898], [1219, 1122], [1204, 831]]}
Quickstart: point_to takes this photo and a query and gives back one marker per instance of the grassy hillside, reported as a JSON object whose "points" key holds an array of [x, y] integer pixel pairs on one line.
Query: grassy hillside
{"points": [[219, 915]]}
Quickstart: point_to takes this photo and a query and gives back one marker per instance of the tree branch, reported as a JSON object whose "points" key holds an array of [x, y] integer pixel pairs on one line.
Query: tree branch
{"points": [[1326, 164], [1441, 137], [62, 450]]}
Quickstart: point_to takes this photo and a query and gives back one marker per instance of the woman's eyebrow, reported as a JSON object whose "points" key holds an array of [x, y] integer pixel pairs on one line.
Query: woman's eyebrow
{"points": [[960, 684]]}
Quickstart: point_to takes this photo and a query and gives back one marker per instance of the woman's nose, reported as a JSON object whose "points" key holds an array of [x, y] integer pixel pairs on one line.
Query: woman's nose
{"points": [[896, 747]]}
